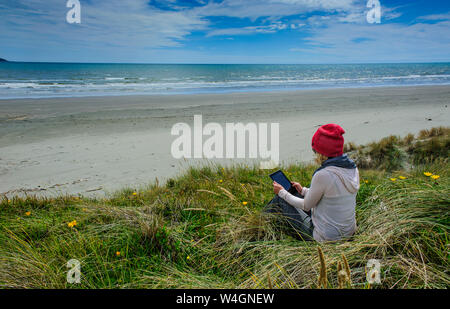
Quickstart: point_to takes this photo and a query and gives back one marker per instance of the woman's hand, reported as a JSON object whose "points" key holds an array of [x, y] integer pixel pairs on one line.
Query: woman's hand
{"points": [[297, 187], [277, 187]]}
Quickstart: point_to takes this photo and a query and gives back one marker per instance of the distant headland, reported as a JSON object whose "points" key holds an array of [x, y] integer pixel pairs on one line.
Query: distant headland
{"points": [[3, 60]]}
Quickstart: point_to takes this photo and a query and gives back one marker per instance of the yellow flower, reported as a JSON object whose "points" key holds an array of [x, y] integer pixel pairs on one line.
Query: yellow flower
{"points": [[9, 201], [134, 193], [435, 177], [118, 253], [188, 257], [402, 177], [244, 203], [428, 174], [72, 224], [366, 181], [28, 213], [220, 180], [393, 179]]}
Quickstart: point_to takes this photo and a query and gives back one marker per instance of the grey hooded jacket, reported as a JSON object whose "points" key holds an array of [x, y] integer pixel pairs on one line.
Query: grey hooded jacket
{"points": [[332, 199]]}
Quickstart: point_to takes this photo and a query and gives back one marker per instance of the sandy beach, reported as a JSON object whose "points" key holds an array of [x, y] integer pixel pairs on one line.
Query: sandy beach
{"points": [[95, 145]]}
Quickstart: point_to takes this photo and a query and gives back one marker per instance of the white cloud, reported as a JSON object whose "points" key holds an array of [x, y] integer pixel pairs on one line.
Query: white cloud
{"points": [[114, 22], [129, 30], [272, 28], [390, 13], [388, 42], [254, 9], [359, 17], [445, 16]]}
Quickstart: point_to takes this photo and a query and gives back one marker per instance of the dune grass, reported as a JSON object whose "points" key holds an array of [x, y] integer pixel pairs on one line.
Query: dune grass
{"points": [[205, 229], [395, 152]]}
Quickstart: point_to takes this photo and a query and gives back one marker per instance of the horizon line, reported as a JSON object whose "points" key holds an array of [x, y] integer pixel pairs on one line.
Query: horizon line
{"points": [[196, 63]]}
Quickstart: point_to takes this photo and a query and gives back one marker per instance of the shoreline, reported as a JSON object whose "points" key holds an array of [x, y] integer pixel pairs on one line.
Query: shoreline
{"points": [[219, 93], [13, 108], [92, 146]]}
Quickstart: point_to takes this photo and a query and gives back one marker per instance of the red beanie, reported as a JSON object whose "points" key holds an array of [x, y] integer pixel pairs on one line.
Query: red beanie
{"points": [[328, 140]]}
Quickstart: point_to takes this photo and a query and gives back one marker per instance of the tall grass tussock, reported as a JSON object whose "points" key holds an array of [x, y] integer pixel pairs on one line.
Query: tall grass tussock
{"points": [[205, 229]]}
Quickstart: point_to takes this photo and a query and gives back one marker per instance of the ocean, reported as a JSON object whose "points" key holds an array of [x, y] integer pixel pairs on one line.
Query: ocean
{"points": [[41, 80]]}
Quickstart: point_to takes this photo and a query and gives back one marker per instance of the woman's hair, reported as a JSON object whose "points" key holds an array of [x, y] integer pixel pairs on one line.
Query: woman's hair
{"points": [[319, 158]]}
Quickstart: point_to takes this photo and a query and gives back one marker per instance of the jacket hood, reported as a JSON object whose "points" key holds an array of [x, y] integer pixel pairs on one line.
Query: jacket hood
{"points": [[349, 177]]}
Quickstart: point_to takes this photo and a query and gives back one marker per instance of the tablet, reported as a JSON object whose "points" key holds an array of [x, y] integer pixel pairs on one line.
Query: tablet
{"points": [[281, 178]]}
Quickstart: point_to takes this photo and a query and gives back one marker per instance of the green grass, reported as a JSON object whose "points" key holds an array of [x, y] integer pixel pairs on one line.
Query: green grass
{"points": [[395, 153], [195, 232]]}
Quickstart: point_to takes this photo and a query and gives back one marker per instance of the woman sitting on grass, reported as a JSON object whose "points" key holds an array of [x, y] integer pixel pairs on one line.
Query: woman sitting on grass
{"points": [[326, 210]]}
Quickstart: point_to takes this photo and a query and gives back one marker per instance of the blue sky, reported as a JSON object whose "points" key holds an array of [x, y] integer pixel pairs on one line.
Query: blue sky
{"points": [[225, 31]]}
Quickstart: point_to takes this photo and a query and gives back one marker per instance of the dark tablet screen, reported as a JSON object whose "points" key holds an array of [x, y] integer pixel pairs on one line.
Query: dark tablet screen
{"points": [[279, 177]]}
